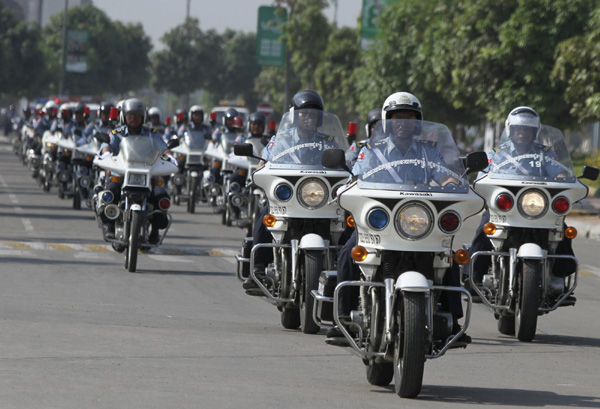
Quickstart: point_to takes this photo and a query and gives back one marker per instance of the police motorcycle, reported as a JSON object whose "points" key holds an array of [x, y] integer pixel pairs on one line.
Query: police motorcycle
{"points": [[528, 197], [406, 222], [216, 177], [65, 164], [244, 200], [49, 153], [138, 166], [304, 225], [186, 185]]}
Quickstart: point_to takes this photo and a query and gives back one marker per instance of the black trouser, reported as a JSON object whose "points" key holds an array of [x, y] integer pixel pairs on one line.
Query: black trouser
{"points": [[481, 242], [347, 270], [261, 235], [157, 220]]}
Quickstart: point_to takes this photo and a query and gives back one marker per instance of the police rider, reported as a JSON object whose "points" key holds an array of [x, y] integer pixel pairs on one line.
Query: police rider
{"points": [[373, 117], [307, 107], [522, 126], [399, 144], [102, 123], [134, 111]]}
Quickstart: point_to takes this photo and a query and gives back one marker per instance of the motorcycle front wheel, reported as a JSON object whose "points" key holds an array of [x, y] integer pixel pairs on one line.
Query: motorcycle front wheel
{"points": [[313, 265], [526, 311], [76, 195], [409, 349], [134, 241], [193, 192]]}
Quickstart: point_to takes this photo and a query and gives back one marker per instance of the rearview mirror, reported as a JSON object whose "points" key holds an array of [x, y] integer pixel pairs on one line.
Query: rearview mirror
{"points": [[476, 161], [334, 159], [102, 137], [589, 173], [172, 143]]}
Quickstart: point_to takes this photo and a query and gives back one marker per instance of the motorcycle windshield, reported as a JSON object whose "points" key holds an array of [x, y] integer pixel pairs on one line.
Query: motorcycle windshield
{"points": [[195, 140], [302, 137], [411, 155], [140, 150], [228, 140], [526, 156]]}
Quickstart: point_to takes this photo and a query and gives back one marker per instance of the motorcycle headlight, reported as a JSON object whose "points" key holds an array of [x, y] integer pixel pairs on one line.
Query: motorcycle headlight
{"points": [[378, 219], [533, 204], [283, 192], [312, 194], [414, 221], [137, 179]]}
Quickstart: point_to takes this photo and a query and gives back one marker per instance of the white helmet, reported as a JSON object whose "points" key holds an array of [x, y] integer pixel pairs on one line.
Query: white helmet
{"points": [[49, 107], [400, 101], [154, 111], [523, 116]]}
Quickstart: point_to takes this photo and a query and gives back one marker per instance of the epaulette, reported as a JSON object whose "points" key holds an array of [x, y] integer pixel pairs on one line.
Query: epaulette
{"points": [[118, 130], [382, 142]]}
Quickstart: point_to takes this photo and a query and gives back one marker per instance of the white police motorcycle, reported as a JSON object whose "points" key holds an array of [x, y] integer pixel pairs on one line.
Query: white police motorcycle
{"points": [[187, 185], [527, 212], [215, 178], [138, 166], [304, 224], [406, 222], [244, 200]]}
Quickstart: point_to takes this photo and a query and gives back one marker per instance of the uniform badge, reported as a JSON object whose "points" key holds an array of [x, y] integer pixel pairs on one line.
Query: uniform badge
{"points": [[361, 156], [352, 147], [270, 145]]}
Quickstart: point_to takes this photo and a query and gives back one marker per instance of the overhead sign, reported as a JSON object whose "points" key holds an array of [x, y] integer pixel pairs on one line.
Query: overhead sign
{"points": [[77, 45], [371, 9], [269, 48]]}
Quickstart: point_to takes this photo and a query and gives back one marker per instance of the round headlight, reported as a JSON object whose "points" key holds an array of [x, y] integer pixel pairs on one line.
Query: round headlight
{"points": [[378, 219], [283, 192], [83, 170], [414, 221], [533, 204], [234, 187], [312, 194]]}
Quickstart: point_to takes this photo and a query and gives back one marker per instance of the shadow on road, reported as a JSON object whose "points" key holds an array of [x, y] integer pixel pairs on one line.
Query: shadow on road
{"points": [[185, 273], [513, 397]]}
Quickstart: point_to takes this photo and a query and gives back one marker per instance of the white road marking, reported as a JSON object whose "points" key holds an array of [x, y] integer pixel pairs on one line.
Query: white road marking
{"points": [[27, 224]]}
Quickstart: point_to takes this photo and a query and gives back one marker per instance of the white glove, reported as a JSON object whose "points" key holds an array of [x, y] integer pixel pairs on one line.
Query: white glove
{"points": [[172, 160], [106, 155]]}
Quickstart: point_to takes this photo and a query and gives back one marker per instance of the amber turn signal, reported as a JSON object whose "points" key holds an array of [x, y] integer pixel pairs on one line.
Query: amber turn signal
{"points": [[489, 229], [359, 253], [350, 221], [462, 256], [269, 220], [570, 232]]}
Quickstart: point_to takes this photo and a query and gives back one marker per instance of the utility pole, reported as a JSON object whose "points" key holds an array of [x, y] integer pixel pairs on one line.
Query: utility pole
{"points": [[187, 11], [335, 10], [64, 50], [40, 10], [288, 68]]}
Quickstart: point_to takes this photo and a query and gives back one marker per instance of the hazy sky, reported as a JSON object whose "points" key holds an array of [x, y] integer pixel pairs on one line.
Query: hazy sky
{"points": [[159, 16]]}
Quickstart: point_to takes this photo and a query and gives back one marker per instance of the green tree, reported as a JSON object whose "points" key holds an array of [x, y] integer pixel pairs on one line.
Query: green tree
{"points": [[23, 68], [305, 35], [117, 55], [334, 76], [578, 68], [239, 68], [190, 62]]}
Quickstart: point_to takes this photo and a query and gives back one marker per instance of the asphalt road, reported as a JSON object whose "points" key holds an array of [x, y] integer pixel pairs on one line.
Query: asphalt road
{"points": [[78, 331]]}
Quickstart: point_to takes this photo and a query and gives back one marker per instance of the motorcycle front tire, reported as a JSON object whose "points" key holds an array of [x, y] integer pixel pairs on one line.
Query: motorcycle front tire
{"points": [[313, 265], [526, 310], [409, 349], [134, 241]]}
